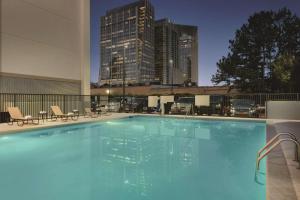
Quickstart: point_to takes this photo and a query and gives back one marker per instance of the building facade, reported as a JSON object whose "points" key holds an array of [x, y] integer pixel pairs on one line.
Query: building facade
{"points": [[127, 44], [166, 52], [185, 56], [45, 47], [176, 53], [188, 52]]}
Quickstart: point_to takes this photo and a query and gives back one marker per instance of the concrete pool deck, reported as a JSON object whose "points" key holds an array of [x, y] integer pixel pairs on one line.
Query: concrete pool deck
{"points": [[7, 129], [283, 177]]}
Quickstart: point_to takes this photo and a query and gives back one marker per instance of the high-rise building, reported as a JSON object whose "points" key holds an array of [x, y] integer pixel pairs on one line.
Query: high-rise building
{"points": [[188, 52], [166, 52], [176, 53], [127, 44]]}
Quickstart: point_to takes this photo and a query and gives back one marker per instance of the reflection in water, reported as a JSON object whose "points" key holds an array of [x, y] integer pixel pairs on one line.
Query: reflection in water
{"points": [[137, 158], [144, 157], [259, 177]]}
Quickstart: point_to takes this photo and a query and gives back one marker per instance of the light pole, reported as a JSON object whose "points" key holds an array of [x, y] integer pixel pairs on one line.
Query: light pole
{"points": [[171, 65], [123, 75], [109, 77]]}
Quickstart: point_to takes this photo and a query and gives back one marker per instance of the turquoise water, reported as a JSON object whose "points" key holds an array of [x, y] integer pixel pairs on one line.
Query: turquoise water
{"points": [[136, 159]]}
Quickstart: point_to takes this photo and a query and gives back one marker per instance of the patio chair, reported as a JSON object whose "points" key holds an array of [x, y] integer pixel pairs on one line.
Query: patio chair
{"points": [[104, 111], [17, 116], [89, 113], [57, 113]]}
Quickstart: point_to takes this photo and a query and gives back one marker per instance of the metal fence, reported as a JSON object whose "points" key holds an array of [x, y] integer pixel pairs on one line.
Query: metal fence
{"points": [[261, 98], [32, 104], [219, 104], [258, 100]]}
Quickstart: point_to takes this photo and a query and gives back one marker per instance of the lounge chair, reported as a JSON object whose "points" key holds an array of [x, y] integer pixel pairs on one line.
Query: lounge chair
{"points": [[57, 113], [17, 116], [89, 113], [104, 110]]}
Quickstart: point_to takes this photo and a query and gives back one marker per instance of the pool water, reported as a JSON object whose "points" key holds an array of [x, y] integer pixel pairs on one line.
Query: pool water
{"points": [[135, 158]]}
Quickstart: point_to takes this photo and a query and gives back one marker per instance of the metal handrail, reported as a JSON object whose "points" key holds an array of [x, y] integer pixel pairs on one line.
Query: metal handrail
{"points": [[273, 140], [297, 153]]}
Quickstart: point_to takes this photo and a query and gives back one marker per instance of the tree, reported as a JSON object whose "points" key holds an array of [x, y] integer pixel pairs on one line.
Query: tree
{"points": [[261, 49], [282, 72]]}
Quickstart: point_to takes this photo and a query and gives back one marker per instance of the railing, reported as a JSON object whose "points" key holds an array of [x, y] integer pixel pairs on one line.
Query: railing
{"points": [[221, 104], [32, 104], [261, 98], [297, 153], [273, 143]]}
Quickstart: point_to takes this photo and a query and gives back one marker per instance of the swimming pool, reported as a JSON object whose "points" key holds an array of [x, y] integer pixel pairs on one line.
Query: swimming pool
{"points": [[136, 158]]}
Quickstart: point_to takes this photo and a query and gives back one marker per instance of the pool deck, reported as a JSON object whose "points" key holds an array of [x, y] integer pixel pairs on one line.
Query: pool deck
{"points": [[8, 129], [283, 177]]}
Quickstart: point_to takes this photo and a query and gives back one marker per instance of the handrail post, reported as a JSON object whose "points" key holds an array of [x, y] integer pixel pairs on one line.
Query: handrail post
{"points": [[15, 99], [64, 103], [43, 102]]}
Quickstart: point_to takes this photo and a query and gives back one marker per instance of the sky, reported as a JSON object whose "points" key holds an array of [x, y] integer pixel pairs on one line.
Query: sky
{"points": [[217, 21]]}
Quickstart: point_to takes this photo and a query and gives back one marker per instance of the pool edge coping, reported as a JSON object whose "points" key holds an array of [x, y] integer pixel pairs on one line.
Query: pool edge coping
{"points": [[19, 129]]}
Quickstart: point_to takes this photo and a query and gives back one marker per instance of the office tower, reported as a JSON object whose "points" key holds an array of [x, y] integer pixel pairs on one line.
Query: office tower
{"points": [[188, 52], [166, 52], [176, 53], [127, 44]]}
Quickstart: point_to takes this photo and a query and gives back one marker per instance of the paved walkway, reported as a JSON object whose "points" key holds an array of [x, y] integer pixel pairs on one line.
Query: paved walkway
{"points": [[5, 128]]}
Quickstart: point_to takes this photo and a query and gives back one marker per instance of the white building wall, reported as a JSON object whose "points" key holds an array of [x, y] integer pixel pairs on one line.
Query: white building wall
{"points": [[283, 110], [46, 40]]}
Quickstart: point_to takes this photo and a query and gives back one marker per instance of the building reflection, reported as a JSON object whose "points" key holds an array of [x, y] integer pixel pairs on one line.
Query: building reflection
{"points": [[130, 158]]}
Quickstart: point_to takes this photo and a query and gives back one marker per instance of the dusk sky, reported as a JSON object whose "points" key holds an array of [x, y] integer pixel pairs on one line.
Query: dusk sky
{"points": [[217, 21]]}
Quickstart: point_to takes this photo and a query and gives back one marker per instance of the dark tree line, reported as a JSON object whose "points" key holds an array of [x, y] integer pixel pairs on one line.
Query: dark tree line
{"points": [[264, 55]]}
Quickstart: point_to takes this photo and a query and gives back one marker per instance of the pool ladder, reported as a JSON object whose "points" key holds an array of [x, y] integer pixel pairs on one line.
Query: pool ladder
{"points": [[273, 143]]}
